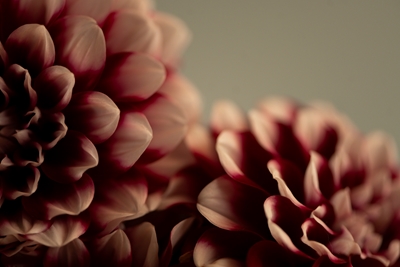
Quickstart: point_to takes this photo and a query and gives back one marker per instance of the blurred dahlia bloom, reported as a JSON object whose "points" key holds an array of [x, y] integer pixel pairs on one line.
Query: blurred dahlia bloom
{"points": [[302, 187], [90, 97]]}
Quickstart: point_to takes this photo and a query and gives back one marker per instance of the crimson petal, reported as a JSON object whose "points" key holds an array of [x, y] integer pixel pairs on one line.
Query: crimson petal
{"points": [[70, 158]]}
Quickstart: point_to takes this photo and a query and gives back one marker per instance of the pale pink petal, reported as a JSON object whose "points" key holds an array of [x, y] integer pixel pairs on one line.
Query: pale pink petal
{"points": [[63, 230], [96, 9], [180, 90], [81, 47], [217, 247], [138, 5], [264, 129], [17, 13], [73, 254], [131, 31], [175, 37], [53, 199], [225, 203], [21, 224], [131, 77], [124, 148], [54, 88], [70, 158], [94, 114], [31, 47], [168, 122], [143, 241], [119, 199], [341, 203], [113, 249], [393, 251], [344, 244], [280, 109], [225, 115]]}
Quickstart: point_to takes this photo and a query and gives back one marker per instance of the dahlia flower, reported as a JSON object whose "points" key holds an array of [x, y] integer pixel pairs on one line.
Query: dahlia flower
{"points": [[302, 187], [90, 96]]}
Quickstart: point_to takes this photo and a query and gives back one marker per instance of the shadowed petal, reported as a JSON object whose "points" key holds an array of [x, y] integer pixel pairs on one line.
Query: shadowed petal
{"points": [[94, 114], [233, 206], [74, 254], [22, 224], [175, 37], [54, 88], [131, 77], [63, 230], [113, 249], [31, 47], [70, 158], [53, 199], [125, 146], [20, 181], [3, 61], [81, 47], [97, 9], [131, 31], [268, 253], [143, 240]]}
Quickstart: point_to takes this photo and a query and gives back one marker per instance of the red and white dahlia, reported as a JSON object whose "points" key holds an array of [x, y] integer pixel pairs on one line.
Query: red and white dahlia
{"points": [[303, 187], [88, 89]]}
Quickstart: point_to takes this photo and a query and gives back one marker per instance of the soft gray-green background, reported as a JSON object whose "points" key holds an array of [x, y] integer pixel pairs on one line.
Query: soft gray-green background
{"points": [[343, 51]]}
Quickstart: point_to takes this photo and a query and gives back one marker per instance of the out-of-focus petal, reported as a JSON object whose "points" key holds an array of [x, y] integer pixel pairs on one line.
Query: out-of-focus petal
{"points": [[175, 37], [70, 158], [268, 253], [119, 199], [225, 115], [125, 146], [113, 249], [3, 59], [73, 254], [143, 241], [53, 199], [225, 203], [17, 13], [131, 77], [217, 245], [63, 230], [137, 5], [280, 109], [81, 47], [94, 114], [168, 122], [96, 9], [180, 90], [31, 47], [131, 31], [54, 88]]}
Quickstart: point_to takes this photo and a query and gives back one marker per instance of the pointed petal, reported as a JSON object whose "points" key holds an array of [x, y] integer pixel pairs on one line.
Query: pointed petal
{"points": [[225, 203], [94, 114], [131, 77], [143, 240], [63, 230], [31, 47], [21, 224], [96, 9], [175, 37], [123, 148], [17, 13], [53, 199], [113, 249], [81, 47], [54, 88], [70, 158], [225, 115], [168, 122], [73, 254], [131, 31]]}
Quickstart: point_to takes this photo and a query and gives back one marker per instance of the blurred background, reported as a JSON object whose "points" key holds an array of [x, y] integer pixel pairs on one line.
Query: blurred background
{"points": [[346, 52]]}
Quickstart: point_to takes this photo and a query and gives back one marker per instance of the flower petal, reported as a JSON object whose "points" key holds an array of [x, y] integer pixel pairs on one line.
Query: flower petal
{"points": [[131, 77], [94, 114], [63, 230], [73, 254], [225, 115], [113, 249], [143, 241], [81, 47], [31, 47], [54, 88], [96, 9], [268, 253], [131, 31], [53, 199], [70, 158]]}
